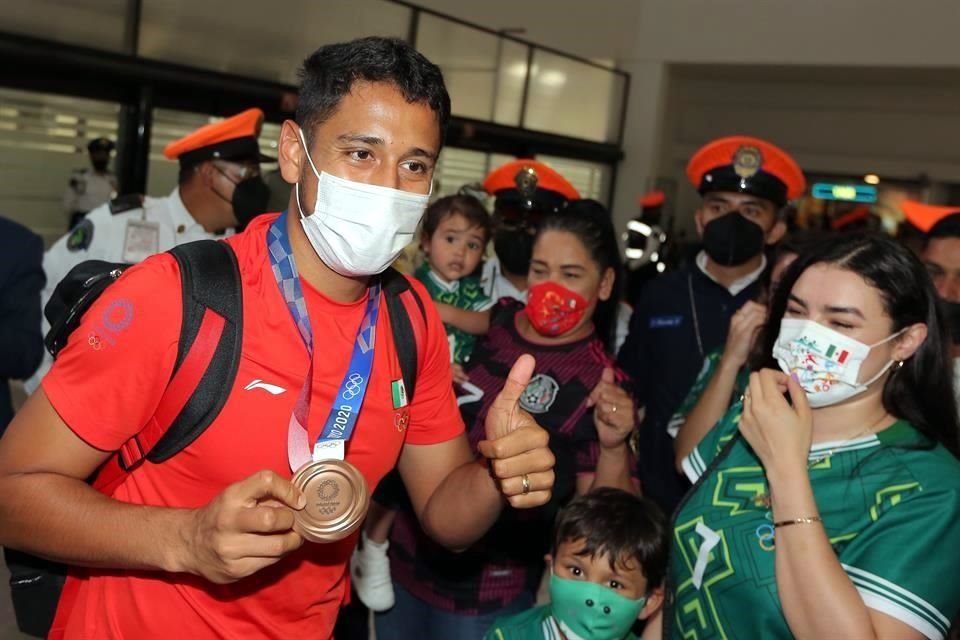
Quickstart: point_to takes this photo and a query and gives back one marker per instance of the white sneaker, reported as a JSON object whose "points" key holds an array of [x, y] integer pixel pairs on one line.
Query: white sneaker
{"points": [[370, 573]]}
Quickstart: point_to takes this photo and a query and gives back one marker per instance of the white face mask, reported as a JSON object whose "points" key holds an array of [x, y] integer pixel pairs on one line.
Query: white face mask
{"points": [[825, 362], [359, 229]]}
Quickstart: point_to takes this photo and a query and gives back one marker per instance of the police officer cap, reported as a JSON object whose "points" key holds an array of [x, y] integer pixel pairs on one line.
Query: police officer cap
{"points": [[926, 216], [100, 144], [231, 139], [741, 164], [524, 187]]}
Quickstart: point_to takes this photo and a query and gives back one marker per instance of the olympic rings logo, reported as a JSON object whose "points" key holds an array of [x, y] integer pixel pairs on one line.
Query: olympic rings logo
{"points": [[352, 387], [765, 537]]}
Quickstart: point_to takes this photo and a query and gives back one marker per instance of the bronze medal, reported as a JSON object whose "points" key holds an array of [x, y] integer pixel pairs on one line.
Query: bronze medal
{"points": [[337, 500]]}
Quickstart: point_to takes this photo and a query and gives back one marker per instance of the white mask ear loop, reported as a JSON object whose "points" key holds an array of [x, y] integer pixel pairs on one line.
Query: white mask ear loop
{"points": [[296, 189], [303, 141], [890, 363]]}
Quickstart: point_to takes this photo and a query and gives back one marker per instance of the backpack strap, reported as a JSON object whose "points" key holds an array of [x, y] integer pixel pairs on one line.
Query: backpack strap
{"points": [[211, 287], [408, 321], [208, 358]]}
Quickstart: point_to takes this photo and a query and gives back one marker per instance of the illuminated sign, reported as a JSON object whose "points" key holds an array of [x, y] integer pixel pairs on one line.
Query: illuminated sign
{"points": [[845, 192]]}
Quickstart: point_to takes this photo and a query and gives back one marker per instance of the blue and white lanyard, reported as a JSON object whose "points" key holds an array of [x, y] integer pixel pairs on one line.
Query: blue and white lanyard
{"points": [[349, 399]]}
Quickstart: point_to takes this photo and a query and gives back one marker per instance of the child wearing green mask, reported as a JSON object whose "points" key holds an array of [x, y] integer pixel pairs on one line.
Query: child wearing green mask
{"points": [[607, 565]]}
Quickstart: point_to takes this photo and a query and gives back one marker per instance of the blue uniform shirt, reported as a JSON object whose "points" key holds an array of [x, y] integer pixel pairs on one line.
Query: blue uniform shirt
{"points": [[662, 356]]}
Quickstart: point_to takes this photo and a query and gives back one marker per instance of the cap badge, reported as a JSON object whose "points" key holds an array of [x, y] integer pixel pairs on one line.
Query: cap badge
{"points": [[747, 161], [526, 181]]}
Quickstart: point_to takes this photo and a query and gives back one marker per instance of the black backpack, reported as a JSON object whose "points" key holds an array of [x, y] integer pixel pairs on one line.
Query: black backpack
{"points": [[208, 355]]}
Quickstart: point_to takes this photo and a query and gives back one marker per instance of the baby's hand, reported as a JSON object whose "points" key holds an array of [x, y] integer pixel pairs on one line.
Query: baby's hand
{"points": [[459, 376]]}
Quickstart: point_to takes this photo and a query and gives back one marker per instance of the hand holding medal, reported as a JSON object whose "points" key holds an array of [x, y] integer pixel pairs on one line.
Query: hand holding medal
{"points": [[516, 446], [244, 529]]}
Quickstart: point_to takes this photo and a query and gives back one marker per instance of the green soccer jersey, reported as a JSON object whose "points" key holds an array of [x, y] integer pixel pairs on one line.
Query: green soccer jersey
{"points": [[891, 508], [536, 624], [710, 365], [465, 293]]}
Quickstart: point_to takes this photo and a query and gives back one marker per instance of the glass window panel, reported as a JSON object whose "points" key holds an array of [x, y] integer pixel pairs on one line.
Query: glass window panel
{"points": [[573, 99], [468, 58], [246, 38], [511, 75], [483, 72], [43, 139], [456, 168], [170, 125], [98, 24]]}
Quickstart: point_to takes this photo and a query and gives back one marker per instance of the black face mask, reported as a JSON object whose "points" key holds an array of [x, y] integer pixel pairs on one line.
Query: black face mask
{"points": [[951, 311], [732, 240], [249, 200], [100, 166], [513, 247]]}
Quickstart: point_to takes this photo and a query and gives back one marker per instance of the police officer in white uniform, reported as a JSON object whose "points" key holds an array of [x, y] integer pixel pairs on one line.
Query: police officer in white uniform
{"points": [[91, 187], [219, 188]]}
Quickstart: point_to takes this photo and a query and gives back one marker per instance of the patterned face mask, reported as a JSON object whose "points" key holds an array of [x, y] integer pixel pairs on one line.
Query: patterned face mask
{"points": [[825, 362], [553, 309]]}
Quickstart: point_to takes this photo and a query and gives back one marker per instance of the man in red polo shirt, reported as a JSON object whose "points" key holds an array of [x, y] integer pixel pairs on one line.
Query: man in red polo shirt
{"points": [[203, 545]]}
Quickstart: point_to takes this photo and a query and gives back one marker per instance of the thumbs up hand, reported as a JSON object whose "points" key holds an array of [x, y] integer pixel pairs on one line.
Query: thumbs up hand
{"points": [[516, 446], [613, 414]]}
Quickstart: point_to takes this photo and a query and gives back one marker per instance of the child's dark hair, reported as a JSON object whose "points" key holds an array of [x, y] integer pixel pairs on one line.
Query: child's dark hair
{"points": [[624, 527], [591, 223], [467, 206]]}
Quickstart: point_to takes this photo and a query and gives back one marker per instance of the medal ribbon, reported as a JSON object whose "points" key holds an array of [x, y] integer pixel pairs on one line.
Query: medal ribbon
{"points": [[346, 405]]}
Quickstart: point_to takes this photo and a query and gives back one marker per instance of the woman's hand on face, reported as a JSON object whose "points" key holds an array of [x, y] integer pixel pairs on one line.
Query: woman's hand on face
{"points": [[780, 434], [744, 326], [614, 414]]}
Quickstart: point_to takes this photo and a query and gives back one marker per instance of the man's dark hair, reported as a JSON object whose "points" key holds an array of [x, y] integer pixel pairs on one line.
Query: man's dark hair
{"points": [[467, 206], [330, 71], [624, 527], [186, 173], [948, 227]]}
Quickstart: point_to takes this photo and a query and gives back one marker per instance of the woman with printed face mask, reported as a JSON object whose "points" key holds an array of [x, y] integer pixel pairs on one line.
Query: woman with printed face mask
{"points": [[827, 501], [575, 394]]}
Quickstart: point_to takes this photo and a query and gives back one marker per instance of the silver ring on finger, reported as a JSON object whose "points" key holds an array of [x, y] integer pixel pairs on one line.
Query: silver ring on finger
{"points": [[525, 480], [613, 408]]}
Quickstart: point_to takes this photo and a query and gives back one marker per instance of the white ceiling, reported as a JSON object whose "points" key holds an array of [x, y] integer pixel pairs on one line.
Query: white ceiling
{"points": [[602, 30]]}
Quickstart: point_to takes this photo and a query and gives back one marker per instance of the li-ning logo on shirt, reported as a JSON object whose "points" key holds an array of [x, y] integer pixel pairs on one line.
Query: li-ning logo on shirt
{"points": [[352, 388], [272, 389]]}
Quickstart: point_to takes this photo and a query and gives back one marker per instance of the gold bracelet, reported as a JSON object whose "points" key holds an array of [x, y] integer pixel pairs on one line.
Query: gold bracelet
{"points": [[787, 523]]}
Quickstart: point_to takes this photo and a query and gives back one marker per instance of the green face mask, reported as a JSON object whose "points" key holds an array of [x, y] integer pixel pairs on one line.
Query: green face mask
{"points": [[589, 611]]}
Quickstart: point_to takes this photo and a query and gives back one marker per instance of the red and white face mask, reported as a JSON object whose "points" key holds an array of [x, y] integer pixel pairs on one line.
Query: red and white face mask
{"points": [[553, 309]]}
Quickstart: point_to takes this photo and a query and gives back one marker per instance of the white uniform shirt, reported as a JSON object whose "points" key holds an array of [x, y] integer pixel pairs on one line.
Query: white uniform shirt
{"points": [[740, 283], [88, 190], [161, 224], [496, 285]]}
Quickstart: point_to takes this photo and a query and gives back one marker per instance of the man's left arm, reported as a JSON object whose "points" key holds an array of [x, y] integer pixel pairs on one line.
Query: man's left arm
{"points": [[21, 342], [456, 497]]}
